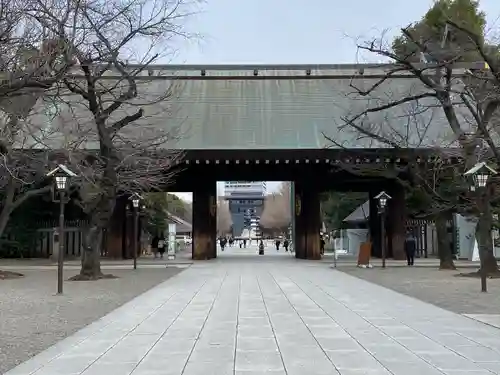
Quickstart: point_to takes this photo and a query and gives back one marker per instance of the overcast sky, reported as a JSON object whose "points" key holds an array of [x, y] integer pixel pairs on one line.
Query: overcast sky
{"points": [[300, 31]]}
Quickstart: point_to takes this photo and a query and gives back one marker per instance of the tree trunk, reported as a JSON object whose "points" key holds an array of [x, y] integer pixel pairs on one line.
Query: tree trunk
{"points": [[91, 262], [92, 241], [484, 240], [444, 244], [4, 219], [99, 220], [7, 205], [485, 222]]}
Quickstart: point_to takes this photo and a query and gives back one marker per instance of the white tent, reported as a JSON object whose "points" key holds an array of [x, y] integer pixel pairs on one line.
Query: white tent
{"points": [[360, 214], [355, 237]]}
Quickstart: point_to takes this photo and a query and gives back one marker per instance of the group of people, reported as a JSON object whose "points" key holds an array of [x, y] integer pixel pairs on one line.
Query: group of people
{"points": [[224, 241], [286, 243], [158, 245]]}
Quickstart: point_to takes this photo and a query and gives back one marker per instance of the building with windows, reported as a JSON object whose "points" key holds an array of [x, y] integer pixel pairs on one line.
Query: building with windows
{"points": [[246, 201], [258, 187]]}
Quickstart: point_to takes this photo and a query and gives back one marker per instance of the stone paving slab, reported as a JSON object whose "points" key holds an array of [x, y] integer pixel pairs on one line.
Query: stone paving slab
{"points": [[274, 316], [490, 319]]}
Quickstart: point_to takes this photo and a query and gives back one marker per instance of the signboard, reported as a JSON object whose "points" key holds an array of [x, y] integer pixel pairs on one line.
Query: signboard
{"points": [[172, 243], [364, 254], [213, 206], [298, 205]]}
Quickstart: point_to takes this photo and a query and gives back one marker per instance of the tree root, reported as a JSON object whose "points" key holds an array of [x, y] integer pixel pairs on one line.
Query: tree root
{"points": [[87, 277], [447, 266], [8, 275], [477, 274]]}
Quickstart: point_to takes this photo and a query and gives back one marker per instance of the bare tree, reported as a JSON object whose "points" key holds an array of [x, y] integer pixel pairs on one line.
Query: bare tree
{"points": [[188, 211], [224, 219], [113, 106], [467, 98], [276, 214], [434, 186], [30, 64]]}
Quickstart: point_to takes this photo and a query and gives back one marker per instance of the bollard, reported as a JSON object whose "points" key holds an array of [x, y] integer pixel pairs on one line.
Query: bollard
{"points": [[484, 287]]}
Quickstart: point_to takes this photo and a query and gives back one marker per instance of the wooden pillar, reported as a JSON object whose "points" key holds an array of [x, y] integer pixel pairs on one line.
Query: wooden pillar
{"points": [[116, 231], [313, 213], [396, 222], [307, 222], [374, 226], [128, 252], [205, 223], [299, 242]]}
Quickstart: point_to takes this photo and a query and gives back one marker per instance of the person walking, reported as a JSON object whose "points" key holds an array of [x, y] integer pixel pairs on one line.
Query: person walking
{"points": [[321, 245], [278, 243], [285, 244], [261, 247], [410, 248], [154, 245], [222, 242], [161, 246]]}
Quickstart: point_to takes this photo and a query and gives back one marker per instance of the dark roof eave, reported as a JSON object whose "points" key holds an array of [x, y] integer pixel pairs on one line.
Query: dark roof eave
{"points": [[238, 67]]}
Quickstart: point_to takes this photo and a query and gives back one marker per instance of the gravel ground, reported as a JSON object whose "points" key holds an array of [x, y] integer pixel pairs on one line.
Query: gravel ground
{"points": [[441, 288], [32, 317]]}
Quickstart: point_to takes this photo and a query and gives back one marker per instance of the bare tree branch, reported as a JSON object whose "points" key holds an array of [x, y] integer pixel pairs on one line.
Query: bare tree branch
{"points": [[276, 214], [106, 101], [469, 101], [224, 219]]}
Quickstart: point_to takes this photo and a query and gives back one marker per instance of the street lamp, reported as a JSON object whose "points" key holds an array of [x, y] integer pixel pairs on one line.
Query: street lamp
{"points": [[383, 199], [135, 200], [61, 175], [480, 174]]}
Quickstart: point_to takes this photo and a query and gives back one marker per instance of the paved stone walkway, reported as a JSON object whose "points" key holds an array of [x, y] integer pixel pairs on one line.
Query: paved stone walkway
{"points": [[273, 315], [491, 319]]}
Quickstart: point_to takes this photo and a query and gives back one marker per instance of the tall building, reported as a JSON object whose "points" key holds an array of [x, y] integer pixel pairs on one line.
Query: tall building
{"points": [[245, 187], [246, 201]]}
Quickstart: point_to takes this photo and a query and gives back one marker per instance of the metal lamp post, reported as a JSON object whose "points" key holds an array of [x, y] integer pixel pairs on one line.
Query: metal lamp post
{"points": [[480, 174], [61, 176], [383, 199], [135, 200]]}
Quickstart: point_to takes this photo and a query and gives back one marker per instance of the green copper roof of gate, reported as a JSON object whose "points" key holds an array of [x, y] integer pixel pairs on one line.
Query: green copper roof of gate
{"points": [[232, 109], [239, 113]]}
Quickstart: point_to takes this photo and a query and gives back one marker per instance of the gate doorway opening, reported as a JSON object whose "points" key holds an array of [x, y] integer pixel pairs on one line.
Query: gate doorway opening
{"points": [[254, 218]]}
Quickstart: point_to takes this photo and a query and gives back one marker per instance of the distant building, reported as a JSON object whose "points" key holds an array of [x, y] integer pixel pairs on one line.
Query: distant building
{"points": [[246, 201], [182, 227], [258, 187]]}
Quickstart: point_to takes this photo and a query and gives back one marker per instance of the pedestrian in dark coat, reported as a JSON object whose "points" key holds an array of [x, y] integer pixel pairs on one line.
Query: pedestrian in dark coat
{"points": [[161, 246], [410, 248], [154, 245]]}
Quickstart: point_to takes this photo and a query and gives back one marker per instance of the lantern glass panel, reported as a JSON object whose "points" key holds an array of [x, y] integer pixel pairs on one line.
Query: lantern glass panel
{"points": [[383, 202], [61, 182], [481, 179]]}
